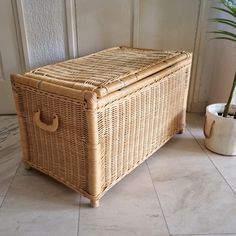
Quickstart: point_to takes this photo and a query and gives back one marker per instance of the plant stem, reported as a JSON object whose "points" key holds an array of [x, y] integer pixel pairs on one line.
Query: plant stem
{"points": [[226, 110]]}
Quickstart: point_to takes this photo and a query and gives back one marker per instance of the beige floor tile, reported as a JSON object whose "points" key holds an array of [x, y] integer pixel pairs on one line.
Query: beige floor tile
{"points": [[22, 171], [225, 164], [39, 206], [9, 133], [9, 151], [8, 167], [193, 195], [227, 167], [129, 208], [1, 200]]}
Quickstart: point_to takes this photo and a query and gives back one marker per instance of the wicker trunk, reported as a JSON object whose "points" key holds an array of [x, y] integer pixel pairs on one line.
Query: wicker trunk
{"points": [[88, 122]]}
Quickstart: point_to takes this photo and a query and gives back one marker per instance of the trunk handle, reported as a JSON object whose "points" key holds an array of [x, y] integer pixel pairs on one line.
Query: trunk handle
{"points": [[50, 128]]}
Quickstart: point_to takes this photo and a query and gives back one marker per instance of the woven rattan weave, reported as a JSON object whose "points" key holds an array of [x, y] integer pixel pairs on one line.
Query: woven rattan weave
{"points": [[88, 122]]}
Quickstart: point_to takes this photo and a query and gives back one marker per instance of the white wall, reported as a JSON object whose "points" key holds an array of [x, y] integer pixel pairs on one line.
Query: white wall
{"points": [[54, 30], [163, 24], [223, 73], [45, 26], [168, 24], [9, 56], [45, 31], [203, 61], [224, 68], [214, 68], [102, 24]]}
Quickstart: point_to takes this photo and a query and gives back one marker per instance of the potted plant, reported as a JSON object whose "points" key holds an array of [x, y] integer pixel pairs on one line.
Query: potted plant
{"points": [[220, 123]]}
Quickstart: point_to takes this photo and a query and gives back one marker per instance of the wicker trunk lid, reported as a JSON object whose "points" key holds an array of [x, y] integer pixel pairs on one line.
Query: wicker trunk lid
{"points": [[107, 71]]}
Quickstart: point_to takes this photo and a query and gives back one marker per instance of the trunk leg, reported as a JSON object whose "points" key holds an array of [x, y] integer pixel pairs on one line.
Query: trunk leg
{"points": [[181, 131], [94, 203], [27, 166]]}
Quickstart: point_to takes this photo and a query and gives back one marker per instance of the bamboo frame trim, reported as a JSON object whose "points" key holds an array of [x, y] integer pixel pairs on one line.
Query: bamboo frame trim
{"points": [[22, 126], [120, 94], [128, 80], [48, 87]]}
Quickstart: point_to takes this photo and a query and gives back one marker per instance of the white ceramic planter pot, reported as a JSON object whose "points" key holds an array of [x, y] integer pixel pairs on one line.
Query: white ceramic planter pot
{"points": [[220, 132]]}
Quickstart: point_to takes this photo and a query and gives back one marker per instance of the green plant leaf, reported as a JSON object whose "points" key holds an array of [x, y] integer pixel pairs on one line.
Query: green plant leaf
{"points": [[230, 8], [226, 110], [225, 10], [230, 5], [224, 33], [225, 38], [224, 21]]}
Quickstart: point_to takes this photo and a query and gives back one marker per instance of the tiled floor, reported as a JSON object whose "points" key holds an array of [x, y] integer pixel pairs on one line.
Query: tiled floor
{"points": [[183, 189]]}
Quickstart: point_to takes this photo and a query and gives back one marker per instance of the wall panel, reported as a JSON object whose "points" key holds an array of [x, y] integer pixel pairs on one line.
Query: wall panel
{"points": [[103, 23], [168, 24], [44, 24]]}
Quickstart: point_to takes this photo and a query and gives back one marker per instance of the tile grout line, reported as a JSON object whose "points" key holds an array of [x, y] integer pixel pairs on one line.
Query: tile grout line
{"points": [[13, 177], [212, 162], [78, 221], [158, 199], [208, 234]]}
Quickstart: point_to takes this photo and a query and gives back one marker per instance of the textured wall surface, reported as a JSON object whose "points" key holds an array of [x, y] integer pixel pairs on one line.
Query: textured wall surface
{"points": [[1, 74], [103, 24], [45, 28], [9, 61]]}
